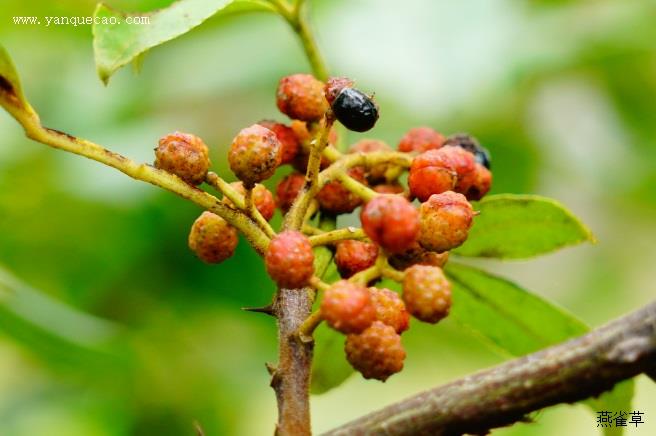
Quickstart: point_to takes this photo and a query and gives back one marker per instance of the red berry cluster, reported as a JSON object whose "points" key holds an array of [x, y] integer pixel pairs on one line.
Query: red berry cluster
{"points": [[401, 240]]}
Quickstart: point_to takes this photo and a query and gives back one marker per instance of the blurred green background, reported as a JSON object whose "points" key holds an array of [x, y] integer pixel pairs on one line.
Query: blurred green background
{"points": [[561, 92]]}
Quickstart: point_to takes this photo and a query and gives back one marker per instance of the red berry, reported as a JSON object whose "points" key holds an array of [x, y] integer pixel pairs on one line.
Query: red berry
{"points": [[289, 260], [390, 309], [288, 189], [354, 256], [255, 154], [417, 255], [389, 188], [445, 221], [288, 140], [431, 172], [377, 352], [481, 185], [464, 164], [184, 155], [334, 86], [376, 173], [347, 307], [262, 197], [391, 222], [421, 139], [336, 199], [426, 293], [300, 130], [301, 97], [212, 238]]}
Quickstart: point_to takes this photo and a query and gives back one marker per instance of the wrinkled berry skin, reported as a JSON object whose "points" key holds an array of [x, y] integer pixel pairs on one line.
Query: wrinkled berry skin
{"points": [[354, 256], [288, 189], [389, 188], [426, 293], [376, 353], [301, 97], [390, 309], [391, 222], [418, 255], [378, 172], [355, 110], [212, 238], [421, 139], [481, 185], [184, 155], [471, 144], [464, 164], [288, 140], [262, 197], [334, 198], [431, 172], [347, 307], [445, 221], [255, 154], [289, 260], [334, 86]]}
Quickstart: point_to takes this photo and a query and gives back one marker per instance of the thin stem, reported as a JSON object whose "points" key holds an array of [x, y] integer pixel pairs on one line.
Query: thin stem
{"points": [[365, 276], [357, 188], [306, 330], [366, 160], [334, 236], [317, 283], [387, 271], [311, 230], [240, 201], [296, 214], [296, 17], [146, 173]]}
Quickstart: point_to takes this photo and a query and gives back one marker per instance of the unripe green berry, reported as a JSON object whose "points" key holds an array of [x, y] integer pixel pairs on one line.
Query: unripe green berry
{"points": [[377, 352], [212, 238], [184, 155], [347, 307], [255, 154], [426, 293], [445, 221]]}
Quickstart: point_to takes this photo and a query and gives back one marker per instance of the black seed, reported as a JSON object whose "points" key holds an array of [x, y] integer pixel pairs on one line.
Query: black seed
{"points": [[355, 110], [470, 144]]}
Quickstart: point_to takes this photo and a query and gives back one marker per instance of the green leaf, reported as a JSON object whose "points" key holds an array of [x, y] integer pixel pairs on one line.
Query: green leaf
{"points": [[518, 226], [56, 330], [518, 322], [117, 43], [12, 97], [329, 367]]}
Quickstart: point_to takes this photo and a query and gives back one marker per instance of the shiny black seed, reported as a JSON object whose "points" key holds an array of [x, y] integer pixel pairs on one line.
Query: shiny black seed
{"points": [[355, 110], [470, 144]]}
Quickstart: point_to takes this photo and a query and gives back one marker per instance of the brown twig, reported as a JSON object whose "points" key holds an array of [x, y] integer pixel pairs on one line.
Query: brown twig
{"points": [[565, 373]]}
